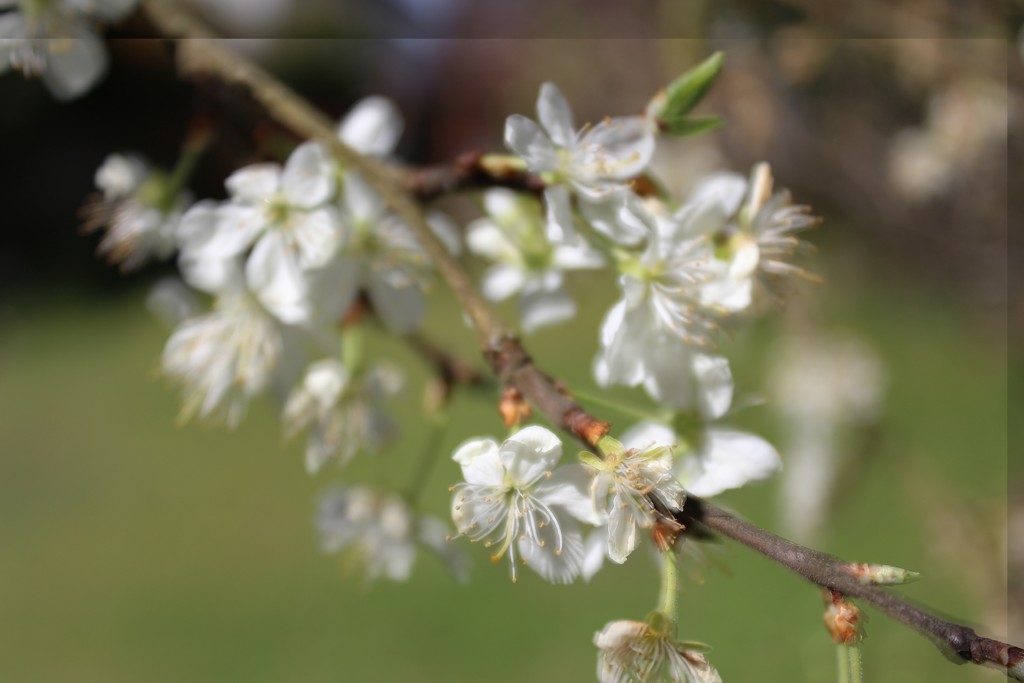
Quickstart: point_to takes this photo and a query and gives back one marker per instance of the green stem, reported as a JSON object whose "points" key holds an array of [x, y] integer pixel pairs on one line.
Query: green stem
{"points": [[843, 662], [190, 156], [431, 447], [856, 673], [667, 599]]}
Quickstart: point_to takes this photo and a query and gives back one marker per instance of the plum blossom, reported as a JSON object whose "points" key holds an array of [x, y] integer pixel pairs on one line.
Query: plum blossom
{"points": [[343, 413], [224, 358], [140, 208], [283, 215], [593, 161], [634, 652], [383, 257], [380, 532], [627, 480], [513, 498], [55, 40], [714, 459], [528, 258]]}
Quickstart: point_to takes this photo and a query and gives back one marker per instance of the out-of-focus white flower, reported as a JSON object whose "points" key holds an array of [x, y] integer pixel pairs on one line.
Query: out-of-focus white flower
{"points": [[380, 532], [825, 387], [626, 480], [528, 259], [140, 208], [284, 216], [634, 652], [344, 414], [373, 126], [512, 497], [593, 160], [652, 335], [226, 357], [716, 459], [383, 257], [55, 40]]}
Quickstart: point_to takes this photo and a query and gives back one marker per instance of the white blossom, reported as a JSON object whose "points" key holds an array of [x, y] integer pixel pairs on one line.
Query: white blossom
{"points": [[226, 357], [593, 161], [714, 459], [55, 40], [140, 209], [344, 414], [383, 257], [373, 126], [529, 260], [380, 532], [633, 652], [283, 215], [514, 499], [627, 480]]}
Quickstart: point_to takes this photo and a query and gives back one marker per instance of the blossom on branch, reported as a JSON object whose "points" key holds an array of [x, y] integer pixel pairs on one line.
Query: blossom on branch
{"points": [[627, 480], [528, 258], [344, 413], [380, 533], [140, 209], [634, 652], [515, 499]]}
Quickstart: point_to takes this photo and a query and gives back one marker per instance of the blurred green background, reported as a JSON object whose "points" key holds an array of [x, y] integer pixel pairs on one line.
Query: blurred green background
{"points": [[132, 549]]}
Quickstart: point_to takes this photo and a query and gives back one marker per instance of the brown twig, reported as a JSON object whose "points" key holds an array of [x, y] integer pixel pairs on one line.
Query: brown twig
{"points": [[508, 359], [470, 171]]}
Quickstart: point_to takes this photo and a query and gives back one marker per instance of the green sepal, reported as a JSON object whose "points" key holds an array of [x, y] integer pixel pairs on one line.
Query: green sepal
{"points": [[689, 125], [684, 93]]}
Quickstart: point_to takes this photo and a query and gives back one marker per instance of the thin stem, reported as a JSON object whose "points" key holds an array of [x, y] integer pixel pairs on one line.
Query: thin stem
{"points": [[856, 673], [428, 456], [667, 597], [843, 663]]}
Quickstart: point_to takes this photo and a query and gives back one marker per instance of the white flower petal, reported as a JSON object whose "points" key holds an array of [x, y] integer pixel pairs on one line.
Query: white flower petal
{"points": [[617, 148], [541, 305], [530, 453], [715, 385], [645, 434], [213, 276], [486, 238], [569, 487], [559, 228], [254, 184], [373, 126], [480, 462], [308, 177], [555, 115], [316, 236], [75, 64], [275, 277], [171, 301], [528, 140], [556, 564], [333, 287], [595, 549], [669, 368], [621, 532], [731, 459], [618, 216], [502, 281], [576, 258], [361, 201]]}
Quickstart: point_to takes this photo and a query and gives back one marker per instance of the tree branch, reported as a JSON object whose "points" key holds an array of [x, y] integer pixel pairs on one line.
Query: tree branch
{"points": [[202, 55]]}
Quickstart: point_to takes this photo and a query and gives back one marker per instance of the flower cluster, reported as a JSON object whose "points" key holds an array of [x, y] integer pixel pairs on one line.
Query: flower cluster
{"points": [[304, 248]]}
